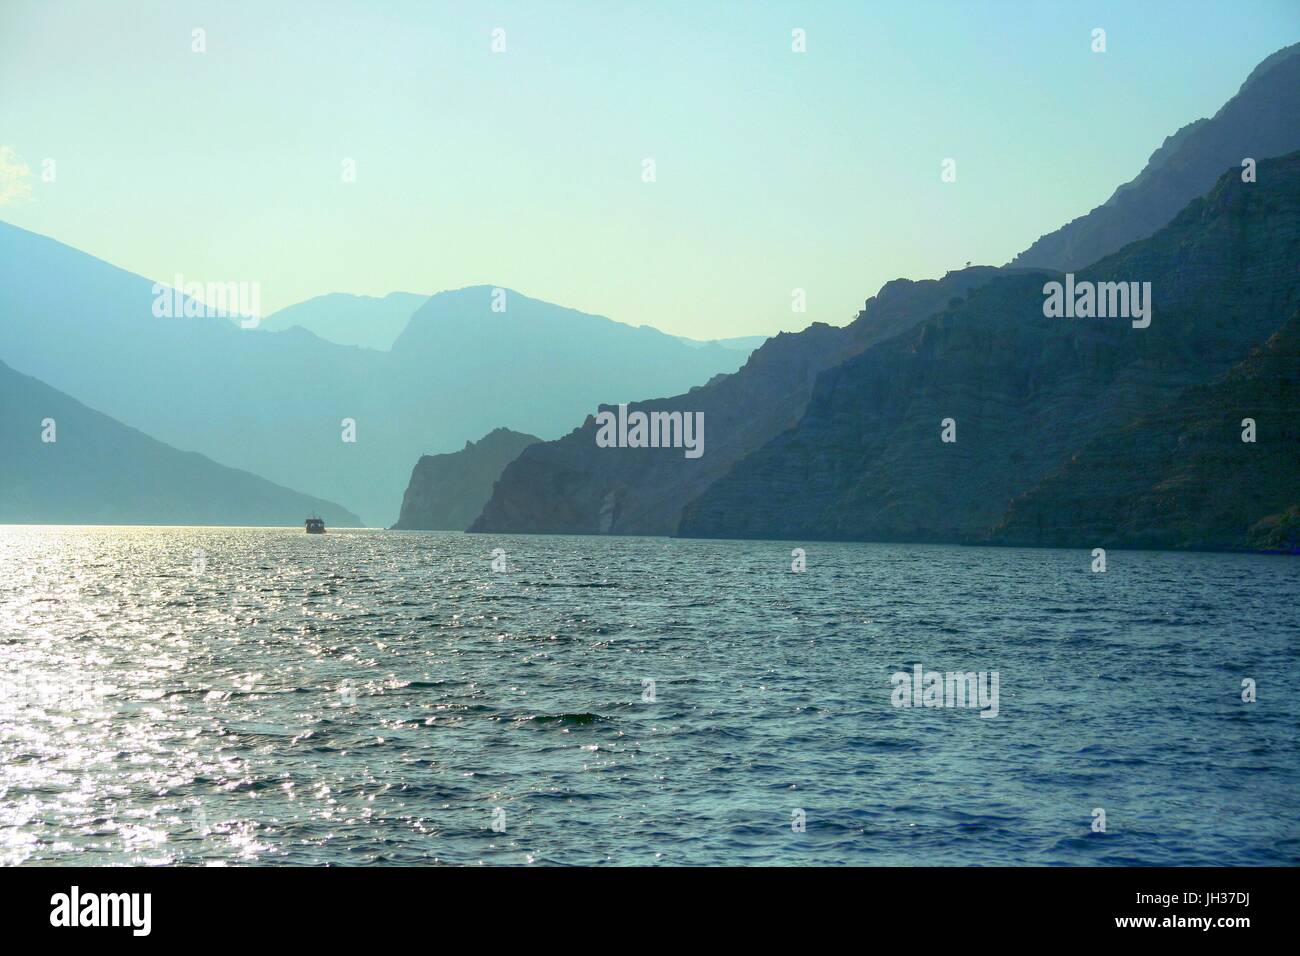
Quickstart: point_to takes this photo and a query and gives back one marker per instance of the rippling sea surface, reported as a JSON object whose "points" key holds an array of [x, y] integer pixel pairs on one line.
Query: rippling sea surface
{"points": [[256, 696]]}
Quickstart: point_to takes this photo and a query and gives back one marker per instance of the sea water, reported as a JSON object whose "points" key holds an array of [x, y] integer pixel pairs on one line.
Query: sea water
{"points": [[261, 696]]}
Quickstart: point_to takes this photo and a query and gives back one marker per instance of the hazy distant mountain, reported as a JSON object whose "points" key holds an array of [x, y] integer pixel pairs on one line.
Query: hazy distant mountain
{"points": [[537, 349], [447, 492], [99, 471], [1028, 393], [275, 403], [373, 323], [743, 343], [1262, 120]]}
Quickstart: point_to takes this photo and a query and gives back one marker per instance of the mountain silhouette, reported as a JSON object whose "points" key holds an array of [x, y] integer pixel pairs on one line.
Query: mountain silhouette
{"points": [[1027, 392], [1262, 120], [367, 321], [278, 403], [571, 486], [99, 471]]}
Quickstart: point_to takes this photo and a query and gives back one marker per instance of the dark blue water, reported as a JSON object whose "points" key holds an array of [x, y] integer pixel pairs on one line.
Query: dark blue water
{"points": [[261, 696]]}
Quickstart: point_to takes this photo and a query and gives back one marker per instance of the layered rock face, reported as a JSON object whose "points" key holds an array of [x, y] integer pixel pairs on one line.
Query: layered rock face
{"points": [[447, 492], [1262, 120], [573, 486], [1184, 476], [1026, 392]]}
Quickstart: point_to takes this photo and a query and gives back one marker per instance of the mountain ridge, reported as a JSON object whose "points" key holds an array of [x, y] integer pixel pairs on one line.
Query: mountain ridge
{"points": [[867, 461], [569, 486], [278, 403], [1262, 120], [100, 471], [344, 318], [565, 486]]}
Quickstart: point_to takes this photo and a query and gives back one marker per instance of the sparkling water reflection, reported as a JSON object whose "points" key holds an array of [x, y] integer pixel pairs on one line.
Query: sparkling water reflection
{"points": [[219, 695]]}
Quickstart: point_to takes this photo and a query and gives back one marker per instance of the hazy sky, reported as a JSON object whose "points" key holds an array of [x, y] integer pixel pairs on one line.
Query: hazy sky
{"points": [[775, 169]]}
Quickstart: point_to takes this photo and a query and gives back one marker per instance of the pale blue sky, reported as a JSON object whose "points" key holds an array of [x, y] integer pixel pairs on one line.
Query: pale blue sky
{"points": [[775, 170]]}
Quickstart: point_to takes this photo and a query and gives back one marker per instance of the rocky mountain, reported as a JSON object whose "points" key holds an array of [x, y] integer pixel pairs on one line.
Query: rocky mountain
{"points": [[447, 492], [743, 343], [283, 404], [1182, 476], [1025, 392], [1262, 120], [375, 323], [367, 321], [99, 471], [572, 486]]}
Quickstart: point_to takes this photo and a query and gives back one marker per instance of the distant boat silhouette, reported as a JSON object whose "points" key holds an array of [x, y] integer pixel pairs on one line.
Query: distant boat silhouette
{"points": [[315, 525]]}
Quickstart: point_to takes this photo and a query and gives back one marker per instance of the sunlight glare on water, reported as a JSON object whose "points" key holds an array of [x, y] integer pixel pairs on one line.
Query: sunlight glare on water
{"points": [[240, 695]]}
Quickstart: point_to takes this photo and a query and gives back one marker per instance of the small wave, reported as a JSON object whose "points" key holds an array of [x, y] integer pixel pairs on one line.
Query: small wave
{"points": [[575, 720]]}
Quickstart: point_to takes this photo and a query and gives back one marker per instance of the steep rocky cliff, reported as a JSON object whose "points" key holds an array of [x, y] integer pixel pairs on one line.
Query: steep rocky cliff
{"points": [[573, 486], [570, 485], [446, 492], [1026, 391], [1182, 476], [1262, 120]]}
